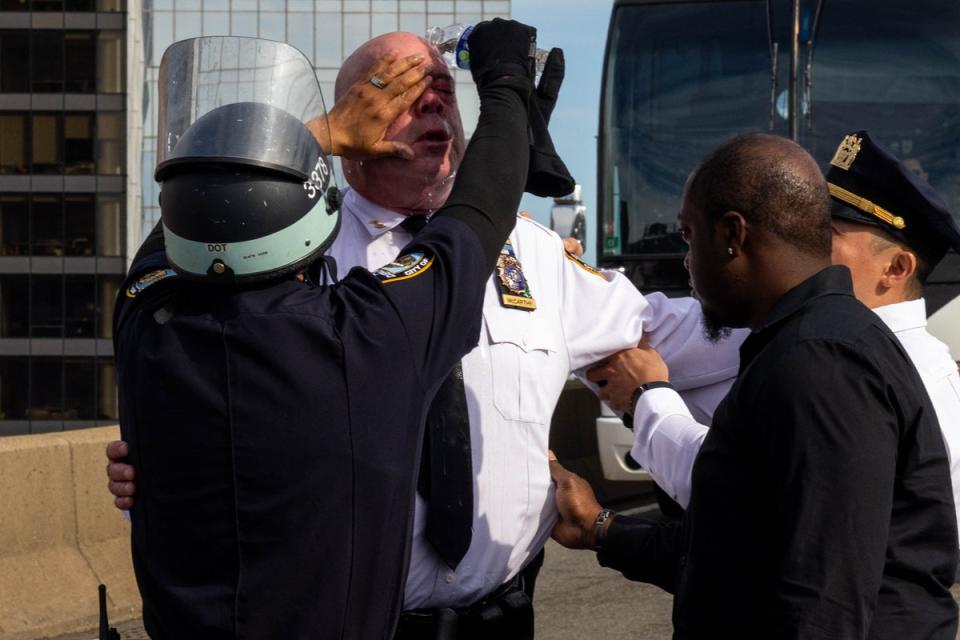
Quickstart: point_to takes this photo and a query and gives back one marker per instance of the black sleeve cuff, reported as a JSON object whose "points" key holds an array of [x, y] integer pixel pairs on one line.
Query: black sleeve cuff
{"points": [[643, 551]]}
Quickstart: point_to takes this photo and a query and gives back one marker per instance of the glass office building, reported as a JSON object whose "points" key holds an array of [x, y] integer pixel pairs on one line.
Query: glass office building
{"points": [[78, 90], [63, 120]]}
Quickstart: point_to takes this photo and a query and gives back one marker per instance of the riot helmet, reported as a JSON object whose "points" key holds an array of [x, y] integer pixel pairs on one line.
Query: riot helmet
{"points": [[247, 191]]}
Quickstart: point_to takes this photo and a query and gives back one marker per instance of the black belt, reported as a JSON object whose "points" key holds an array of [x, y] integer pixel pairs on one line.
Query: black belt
{"points": [[506, 614]]}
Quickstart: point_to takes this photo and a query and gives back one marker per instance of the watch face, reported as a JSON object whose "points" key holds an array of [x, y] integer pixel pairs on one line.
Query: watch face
{"points": [[511, 275]]}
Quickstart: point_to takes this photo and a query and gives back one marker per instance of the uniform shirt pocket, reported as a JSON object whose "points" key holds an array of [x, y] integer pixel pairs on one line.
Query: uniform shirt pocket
{"points": [[523, 350]]}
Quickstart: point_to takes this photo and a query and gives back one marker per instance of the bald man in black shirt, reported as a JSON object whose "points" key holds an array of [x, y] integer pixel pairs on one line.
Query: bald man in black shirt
{"points": [[821, 503]]}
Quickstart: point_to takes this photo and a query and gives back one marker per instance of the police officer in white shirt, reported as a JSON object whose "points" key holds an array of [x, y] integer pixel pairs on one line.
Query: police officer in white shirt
{"points": [[517, 372], [565, 317], [890, 228]]}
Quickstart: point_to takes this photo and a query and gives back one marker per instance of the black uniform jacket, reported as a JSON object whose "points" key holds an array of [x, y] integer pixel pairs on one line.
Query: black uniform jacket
{"points": [[276, 429], [275, 432], [821, 503]]}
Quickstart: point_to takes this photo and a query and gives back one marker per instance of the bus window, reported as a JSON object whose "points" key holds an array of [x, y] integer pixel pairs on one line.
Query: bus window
{"points": [[894, 70], [679, 79]]}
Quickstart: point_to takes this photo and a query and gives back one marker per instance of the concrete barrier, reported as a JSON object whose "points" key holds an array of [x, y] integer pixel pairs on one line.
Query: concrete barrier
{"points": [[60, 536]]}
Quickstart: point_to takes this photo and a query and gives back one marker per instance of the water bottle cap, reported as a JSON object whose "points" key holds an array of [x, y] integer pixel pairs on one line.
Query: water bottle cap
{"points": [[462, 54]]}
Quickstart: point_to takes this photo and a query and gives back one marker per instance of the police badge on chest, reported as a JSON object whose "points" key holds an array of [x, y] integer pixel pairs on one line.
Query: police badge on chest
{"points": [[512, 284]]}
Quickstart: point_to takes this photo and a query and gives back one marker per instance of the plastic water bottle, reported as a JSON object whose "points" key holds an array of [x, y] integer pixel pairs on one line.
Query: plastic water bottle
{"points": [[453, 44]]}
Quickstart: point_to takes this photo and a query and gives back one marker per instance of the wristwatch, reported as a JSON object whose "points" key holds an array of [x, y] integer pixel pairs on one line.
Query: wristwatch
{"points": [[646, 386], [600, 528]]}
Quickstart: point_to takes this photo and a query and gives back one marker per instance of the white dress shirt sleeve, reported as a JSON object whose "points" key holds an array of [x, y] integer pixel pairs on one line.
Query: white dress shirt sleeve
{"points": [[601, 312], [604, 313], [666, 440], [675, 329]]}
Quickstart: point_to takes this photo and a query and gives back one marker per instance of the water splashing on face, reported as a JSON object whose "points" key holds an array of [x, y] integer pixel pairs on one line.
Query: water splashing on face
{"points": [[439, 186]]}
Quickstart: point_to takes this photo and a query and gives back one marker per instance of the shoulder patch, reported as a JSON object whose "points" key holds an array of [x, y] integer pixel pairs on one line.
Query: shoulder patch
{"points": [[405, 267], [583, 265], [145, 281]]}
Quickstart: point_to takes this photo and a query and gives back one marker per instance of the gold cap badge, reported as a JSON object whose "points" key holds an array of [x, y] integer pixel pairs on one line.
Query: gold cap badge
{"points": [[846, 152]]}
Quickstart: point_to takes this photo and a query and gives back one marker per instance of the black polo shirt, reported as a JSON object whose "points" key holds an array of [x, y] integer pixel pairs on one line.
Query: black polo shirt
{"points": [[821, 502]]}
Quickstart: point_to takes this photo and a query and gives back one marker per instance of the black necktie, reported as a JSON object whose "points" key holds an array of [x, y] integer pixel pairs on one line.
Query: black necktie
{"points": [[446, 470]]}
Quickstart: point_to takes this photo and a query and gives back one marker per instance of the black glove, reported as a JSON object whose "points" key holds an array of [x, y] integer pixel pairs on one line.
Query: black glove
{"points": [[548, 175], [501, 49]]}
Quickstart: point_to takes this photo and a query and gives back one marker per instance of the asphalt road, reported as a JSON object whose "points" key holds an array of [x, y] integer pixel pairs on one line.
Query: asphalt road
{"points": [[575, 599]]}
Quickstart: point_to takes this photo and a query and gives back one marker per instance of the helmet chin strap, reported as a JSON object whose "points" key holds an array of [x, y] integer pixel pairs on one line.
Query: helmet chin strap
{"points": [[323, 271]]}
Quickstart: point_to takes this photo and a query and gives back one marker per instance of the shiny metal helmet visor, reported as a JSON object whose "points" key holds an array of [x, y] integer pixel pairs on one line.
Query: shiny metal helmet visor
{"points": [[201, 75]]}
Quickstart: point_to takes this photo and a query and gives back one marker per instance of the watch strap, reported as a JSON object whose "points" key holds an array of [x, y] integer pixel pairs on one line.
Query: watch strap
{"points": [[600, 528], [647, 386]]}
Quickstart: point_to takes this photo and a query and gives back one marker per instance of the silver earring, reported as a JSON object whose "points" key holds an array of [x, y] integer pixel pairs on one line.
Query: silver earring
{"points": [[730, 250]]}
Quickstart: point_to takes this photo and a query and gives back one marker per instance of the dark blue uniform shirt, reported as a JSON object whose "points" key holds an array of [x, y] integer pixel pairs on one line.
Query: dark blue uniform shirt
{"points": [[821, 502], [275, 429]]}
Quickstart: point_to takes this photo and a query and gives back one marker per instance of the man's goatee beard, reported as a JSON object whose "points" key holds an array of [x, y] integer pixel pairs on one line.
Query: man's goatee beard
{"points": [[713, 328]]}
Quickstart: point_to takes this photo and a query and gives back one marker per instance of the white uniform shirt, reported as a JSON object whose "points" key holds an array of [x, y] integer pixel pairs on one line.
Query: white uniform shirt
{"points": [[513, 379], [667, 437], [938, 371]]}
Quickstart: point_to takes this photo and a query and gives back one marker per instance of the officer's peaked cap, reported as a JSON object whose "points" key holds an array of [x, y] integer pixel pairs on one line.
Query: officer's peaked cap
{"points": [[870, 186]]}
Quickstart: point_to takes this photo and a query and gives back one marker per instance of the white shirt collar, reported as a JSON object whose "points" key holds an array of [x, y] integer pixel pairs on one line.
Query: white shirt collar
{"points": [[371, 216], [902, 316]]}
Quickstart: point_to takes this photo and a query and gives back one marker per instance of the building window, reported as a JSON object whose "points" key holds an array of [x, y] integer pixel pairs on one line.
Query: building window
{"points": [[110, 148], [107, 288], [14, 52], [109, 226], [46, 61], [80, 48], [54, 388], [72, 224], [80, 214], [46, 389], [80, 389], [14, 388], [215, 23], [46, 309], [14, 306], [79, 5], [51, 61], [107, 407], [110, 62], [80, 309], [13, 143], [46, 222], [78, 143], [57, 305], [14, 226], [63, 143], [329, 39], [45, 143]]}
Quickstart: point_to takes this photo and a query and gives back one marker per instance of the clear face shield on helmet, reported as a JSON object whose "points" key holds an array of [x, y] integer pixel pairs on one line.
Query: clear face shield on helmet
{"points": [[247, 191]]}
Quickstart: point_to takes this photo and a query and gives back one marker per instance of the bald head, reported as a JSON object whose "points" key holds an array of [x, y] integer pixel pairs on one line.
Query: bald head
{"points": [[773, 182], [431, 127], [359, 63]]}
